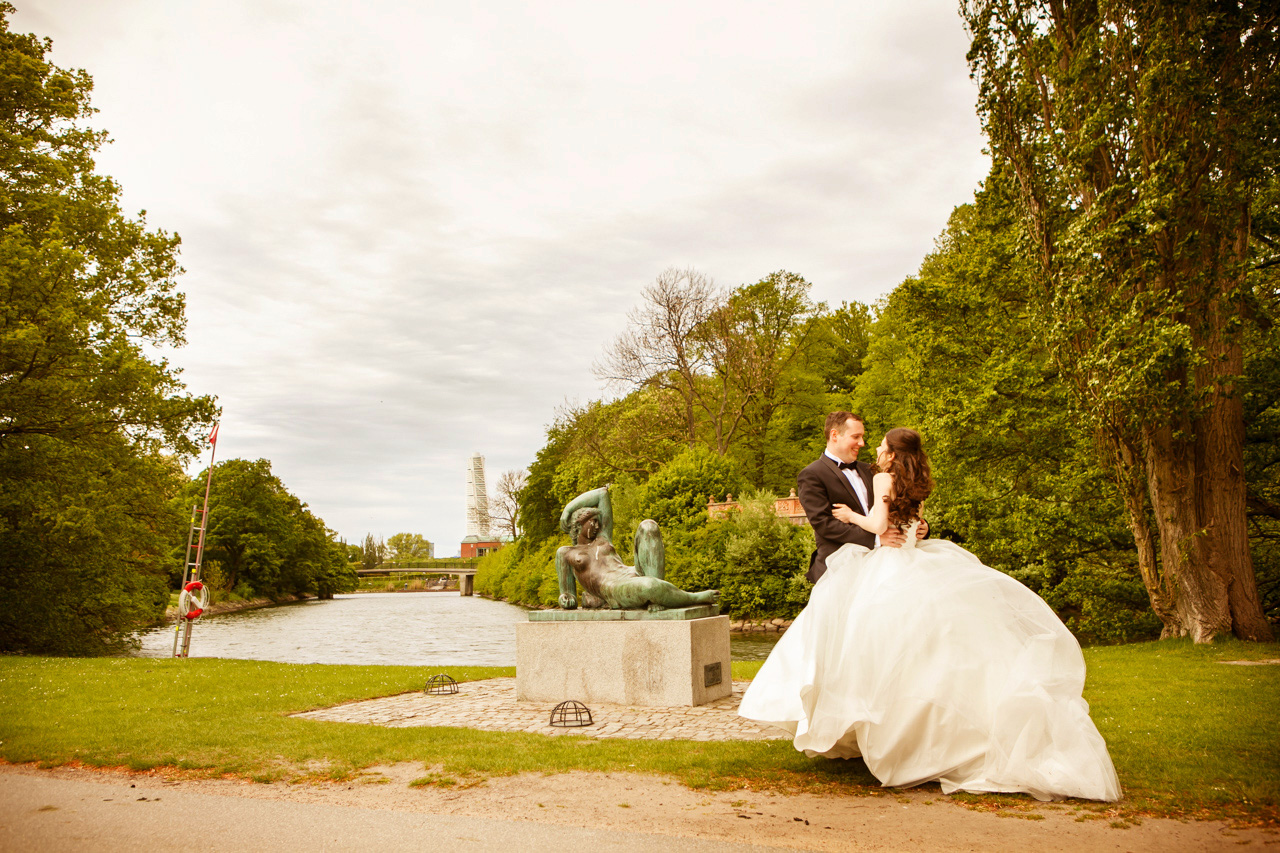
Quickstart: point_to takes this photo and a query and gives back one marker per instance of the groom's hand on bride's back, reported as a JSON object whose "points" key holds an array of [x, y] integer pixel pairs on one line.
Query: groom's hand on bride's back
{"points": [[894, 537]]}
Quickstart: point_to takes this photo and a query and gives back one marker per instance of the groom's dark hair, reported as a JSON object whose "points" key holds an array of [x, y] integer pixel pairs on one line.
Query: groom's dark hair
{"points": [[837, 420]]}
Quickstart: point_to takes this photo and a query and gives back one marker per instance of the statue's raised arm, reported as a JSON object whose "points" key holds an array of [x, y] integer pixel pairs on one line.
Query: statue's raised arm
{"points": [[597, 499]]}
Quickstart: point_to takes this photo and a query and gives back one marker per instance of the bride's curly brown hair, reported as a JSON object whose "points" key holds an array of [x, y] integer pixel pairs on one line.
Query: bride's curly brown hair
{"points": [[912, 481]]}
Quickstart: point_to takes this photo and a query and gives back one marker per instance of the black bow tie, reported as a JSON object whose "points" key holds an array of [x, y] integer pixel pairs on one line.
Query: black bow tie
{"points": [[845, 466]]}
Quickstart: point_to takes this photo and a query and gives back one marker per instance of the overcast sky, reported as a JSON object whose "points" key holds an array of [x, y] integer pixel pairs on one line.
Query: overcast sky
{"points": [[410, 226]]}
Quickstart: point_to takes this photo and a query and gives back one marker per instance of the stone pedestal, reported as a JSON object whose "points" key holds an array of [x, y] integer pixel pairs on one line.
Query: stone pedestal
{"points": [[666, 661]]}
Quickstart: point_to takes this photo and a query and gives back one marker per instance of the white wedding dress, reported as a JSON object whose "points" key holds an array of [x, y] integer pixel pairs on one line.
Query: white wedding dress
{"points": [[932, 666]]}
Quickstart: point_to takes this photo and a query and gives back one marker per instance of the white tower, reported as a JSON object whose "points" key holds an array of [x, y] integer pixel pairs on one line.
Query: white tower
{"points": [[477, 500]]}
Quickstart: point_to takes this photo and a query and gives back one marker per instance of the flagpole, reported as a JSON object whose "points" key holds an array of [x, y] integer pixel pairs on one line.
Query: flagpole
{"points": [[208, 484]]}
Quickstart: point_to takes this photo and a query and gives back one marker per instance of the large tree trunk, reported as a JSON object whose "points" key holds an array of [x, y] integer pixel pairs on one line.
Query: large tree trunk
{"points": [[1200, 593], [1197, 494], [1221, 484], [1131, 477], [1196, 464]]}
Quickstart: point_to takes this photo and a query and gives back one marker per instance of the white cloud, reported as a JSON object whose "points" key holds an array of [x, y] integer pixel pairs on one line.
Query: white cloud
{"points": [[399, 217]]}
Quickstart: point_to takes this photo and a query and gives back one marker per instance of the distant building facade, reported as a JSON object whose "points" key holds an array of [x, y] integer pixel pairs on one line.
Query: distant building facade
{"points": [[474, 546]]}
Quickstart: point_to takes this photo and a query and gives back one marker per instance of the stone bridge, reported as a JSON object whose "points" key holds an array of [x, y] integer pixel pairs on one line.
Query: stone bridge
{"points": [[464, 569]]}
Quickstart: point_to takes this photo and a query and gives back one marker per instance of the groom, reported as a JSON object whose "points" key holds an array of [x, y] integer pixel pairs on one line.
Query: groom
{"points": [[837, 477]]}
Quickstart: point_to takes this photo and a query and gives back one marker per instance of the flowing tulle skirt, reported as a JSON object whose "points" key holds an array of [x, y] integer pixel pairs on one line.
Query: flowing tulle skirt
{"points": [[932, 666]]}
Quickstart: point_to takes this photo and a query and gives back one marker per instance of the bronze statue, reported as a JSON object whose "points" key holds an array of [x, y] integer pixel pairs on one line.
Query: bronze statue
{"points": [[606, 580]]}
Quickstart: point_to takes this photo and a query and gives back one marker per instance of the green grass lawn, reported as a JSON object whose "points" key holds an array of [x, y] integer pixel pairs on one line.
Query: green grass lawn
{"points": [[1189, 735]]}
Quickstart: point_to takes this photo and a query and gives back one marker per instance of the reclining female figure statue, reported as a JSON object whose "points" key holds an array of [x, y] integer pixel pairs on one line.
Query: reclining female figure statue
{"points": [[606, 580]]}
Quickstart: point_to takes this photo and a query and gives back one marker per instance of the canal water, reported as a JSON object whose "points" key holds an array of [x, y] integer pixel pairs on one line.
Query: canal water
{"points": [[401, 629]]}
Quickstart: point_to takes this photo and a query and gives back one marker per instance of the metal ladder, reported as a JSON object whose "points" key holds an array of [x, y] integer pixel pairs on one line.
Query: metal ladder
{"points": [[190, 572]]}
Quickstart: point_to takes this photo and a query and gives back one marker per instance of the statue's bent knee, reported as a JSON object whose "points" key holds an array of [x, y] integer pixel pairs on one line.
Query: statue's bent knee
{"points": [[651, 556]]}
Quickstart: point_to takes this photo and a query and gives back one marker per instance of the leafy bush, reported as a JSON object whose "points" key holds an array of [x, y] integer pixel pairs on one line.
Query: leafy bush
{"points": [[676, 496], [494, 567], [521, 573], [763, 554], [1105, 603]]}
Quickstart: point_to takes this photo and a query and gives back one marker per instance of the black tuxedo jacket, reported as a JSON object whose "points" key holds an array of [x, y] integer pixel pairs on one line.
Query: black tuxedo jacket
{"points": [[821, 485]]}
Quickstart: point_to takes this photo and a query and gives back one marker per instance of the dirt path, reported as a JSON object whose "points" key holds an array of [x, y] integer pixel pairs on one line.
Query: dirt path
{"points": [[77, 809]]}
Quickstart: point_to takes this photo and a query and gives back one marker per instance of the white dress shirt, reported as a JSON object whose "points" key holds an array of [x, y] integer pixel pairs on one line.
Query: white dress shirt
{"points": [[859, 487]]}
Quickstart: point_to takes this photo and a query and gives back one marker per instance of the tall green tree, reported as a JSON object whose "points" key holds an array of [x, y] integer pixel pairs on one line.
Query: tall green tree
{"points": [[629, 437], [732, 371], [767, 337], [371, 553], [1141, 134], [663, 348], [321, 560], [845, 335], [265, 539], [958, 352], [408, 546], [86, 415], [540, 500]]}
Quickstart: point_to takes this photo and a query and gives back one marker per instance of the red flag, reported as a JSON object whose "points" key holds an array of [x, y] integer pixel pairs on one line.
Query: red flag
{"points": [[213, 436]]}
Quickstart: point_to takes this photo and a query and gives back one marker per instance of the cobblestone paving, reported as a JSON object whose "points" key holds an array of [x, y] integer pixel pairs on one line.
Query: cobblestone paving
{"points": [[491, 705]]}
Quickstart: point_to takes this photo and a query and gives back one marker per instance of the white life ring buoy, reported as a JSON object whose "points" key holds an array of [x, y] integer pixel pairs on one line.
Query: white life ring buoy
{"points": [[193, 600]]}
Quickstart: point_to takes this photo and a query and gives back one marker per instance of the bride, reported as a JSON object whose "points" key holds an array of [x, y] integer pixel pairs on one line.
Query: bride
{"points": [[930, 665]]}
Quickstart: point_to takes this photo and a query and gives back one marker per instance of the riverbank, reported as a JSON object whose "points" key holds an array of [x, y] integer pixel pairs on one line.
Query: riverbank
{"points": [[171, 613], [221, 607], [759, 626]]}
